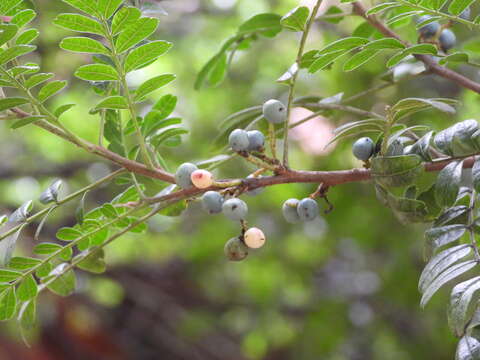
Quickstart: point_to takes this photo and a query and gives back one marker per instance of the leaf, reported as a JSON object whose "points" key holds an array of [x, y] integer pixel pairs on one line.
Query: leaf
{"points": [[289, 74], [8, 32], [87, 6], [219, 71], [9, 275], [96, 72], [151, 85], [468, 348], [427, 49], [27, 314], [21, 214], [448, 183], [450, 214], [266, 24], [80, 211], [296, 19], [46, 248], [381, 7], [37, 79], [457, 57], [7, 5], [145, 54], [82, 44], [68, 234], [165, 106], [112, 102], [409, 103], [26, 120], [440, 236], [51, 193], [23, 263], [27, 289], [446, 276], [395, 171], [359, 59], [27, 36], [7, 247], [78, 23], [64, 283], [135, 32], [8, 304], [440, 262], [126, 16], [62, 109], [385, 43], [421, 147], [107, 8], [23, 17], [345, 44], [94, 261], [159, 139], [456, 7], [12, 102], [324, 61], [460, 300], [51, 89], [476, 174]]}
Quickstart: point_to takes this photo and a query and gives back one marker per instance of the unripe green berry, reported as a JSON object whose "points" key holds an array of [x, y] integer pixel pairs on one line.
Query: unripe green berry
{"points": [[183, 174], [274, 111], [289, 210], [235, 249], [235, 209], [363, 148], [254, 238], [202, 179], [212, 202], [238, 140], [307, 209]]}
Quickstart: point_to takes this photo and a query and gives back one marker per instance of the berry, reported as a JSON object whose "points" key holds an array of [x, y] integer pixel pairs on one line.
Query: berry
{"points": [[307, 209], [238, 140], [447, 39], [183, 173], [465, 15], [256, 140], [212, 202], [202, 179], [363, 148], [254, 238], [254, 192], [429, 30], [274, 111], [235, 209], [289, 210], [235, 249]]}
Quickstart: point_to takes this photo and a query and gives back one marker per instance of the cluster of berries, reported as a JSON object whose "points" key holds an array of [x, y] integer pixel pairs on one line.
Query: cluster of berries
{"points": [[434, 31]]}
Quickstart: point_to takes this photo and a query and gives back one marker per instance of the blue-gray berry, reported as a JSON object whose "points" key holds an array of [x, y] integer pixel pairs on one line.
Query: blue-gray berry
{"points": [[183, 173], [447, 39], [235, 209], [289, 210], [212, 202], [465, 15], [238, 140], [274, 111], [363, 148], [429, 30], [235, 249], [307, 209], [256, 140]]}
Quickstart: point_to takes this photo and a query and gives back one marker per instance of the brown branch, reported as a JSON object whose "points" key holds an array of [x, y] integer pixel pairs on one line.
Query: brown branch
{"points": [[328, 178], [429, 62]]}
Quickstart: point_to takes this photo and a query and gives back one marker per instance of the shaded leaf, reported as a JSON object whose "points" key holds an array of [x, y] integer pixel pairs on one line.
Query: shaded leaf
{"points": [[448, 184]]}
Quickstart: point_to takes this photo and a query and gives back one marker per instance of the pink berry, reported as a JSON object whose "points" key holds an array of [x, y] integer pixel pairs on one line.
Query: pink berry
{"points": [[202, 179], [254, 238]]}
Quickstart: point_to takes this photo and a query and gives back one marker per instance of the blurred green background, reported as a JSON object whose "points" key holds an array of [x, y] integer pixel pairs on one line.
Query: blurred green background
{"points": [[341, 287]]}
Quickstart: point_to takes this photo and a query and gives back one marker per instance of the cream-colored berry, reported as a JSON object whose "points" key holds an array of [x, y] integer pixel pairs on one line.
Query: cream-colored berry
{"points": [[202, 179], [254, 238]]}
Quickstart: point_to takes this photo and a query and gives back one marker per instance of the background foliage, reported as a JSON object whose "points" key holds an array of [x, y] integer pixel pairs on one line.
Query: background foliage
{"points": [[342, 287]]}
